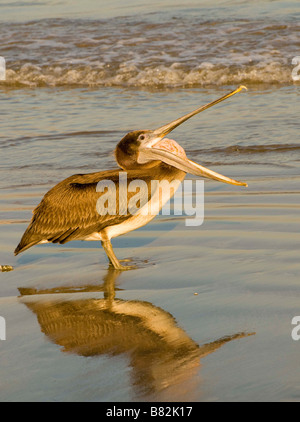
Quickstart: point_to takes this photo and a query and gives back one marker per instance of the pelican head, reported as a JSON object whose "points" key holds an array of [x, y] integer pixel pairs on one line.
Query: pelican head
{"points": [[146, 148]]}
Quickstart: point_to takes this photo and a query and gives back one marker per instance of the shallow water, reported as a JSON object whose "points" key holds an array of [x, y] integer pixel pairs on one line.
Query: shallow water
{"points": [[207, 315]]}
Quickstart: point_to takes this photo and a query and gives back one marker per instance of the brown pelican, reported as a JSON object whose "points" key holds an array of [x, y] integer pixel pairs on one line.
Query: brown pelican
{"points": [[69, 210]]}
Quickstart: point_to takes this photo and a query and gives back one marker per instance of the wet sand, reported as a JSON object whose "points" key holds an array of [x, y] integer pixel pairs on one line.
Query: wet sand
{"points": [[178, 327]]}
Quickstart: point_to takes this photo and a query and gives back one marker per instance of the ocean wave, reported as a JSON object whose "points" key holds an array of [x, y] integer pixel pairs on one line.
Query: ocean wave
{"points": [[140, 52], [249, 149], [129, 75]]}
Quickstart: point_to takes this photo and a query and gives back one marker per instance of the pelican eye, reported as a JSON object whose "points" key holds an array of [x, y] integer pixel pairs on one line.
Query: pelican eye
{"points": [[142, 137]]}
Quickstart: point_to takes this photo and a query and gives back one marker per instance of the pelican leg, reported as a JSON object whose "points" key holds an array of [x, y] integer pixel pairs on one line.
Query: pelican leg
{"points": [[107, 246]]}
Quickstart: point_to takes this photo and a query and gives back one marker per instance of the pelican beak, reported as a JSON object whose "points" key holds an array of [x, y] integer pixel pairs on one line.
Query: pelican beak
{"points": [[152, 151]]}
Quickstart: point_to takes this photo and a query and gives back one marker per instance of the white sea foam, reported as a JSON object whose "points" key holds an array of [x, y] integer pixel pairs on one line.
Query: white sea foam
{"points": [[159, 76], [145, 53]]}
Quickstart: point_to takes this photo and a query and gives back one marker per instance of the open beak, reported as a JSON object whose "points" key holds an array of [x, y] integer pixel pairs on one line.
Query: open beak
{"points": [[151, 150]]}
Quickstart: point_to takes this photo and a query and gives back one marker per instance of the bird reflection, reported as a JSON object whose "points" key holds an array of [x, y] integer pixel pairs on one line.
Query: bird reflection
{"points": [[161, 353]]}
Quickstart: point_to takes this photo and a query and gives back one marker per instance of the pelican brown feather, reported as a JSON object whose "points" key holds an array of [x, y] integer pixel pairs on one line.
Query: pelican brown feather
{"points": [[69, 210]]}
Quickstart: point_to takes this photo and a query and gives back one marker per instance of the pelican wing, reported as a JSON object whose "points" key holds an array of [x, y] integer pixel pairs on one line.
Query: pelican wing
{"points": [[69, 210]]}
